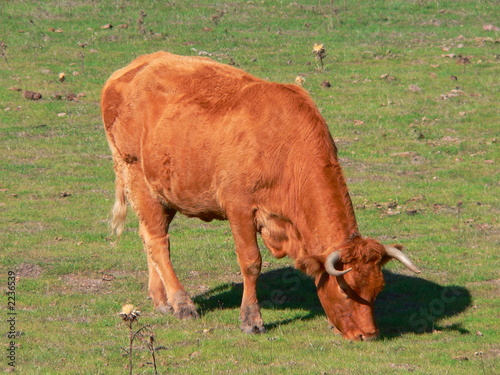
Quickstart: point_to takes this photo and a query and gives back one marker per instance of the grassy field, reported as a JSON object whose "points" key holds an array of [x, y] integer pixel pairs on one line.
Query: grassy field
{"points": [[413, 107]]}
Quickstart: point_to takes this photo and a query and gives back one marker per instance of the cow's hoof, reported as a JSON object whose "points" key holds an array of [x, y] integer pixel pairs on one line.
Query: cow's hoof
{"points": [[251, 321], [253, 328], [165, 309], [184, 308], [186, 311]]}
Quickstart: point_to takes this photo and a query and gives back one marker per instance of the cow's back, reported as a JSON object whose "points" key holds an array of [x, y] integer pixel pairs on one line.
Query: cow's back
{"points": [[205, 132]]}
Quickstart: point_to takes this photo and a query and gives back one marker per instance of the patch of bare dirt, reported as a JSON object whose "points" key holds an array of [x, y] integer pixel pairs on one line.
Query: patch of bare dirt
{"points": [[495, 282], [415, 157], [29, 270], [493, 353], [83, 284], [99, 282], [488, 289], [404, 366]]}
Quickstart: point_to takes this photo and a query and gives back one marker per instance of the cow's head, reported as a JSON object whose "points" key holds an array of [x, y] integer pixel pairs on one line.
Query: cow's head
{"points": [[348, 279]]}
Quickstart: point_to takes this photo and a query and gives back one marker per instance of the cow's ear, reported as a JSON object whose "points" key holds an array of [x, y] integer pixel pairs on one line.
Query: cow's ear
{"points": [[312, 265], [386, 258]]}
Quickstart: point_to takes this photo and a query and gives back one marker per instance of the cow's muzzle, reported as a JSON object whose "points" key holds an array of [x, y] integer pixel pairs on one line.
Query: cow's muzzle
{"points": [[368, 336], [362, 336]]}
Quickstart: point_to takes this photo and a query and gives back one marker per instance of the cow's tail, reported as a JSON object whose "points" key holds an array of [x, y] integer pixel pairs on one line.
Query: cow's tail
{"points": [[119, 212]]}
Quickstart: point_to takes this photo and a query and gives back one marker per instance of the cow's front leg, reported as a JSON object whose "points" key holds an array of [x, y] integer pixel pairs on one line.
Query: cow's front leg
{"points": [[250, 262]]}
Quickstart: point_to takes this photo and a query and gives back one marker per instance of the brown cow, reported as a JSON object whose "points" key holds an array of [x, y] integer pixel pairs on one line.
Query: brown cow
{"points": [[192, 135]]}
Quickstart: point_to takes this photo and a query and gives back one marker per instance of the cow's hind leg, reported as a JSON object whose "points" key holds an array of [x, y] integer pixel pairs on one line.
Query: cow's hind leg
{"points": [[157, 291], [163, 281], [164, 287], [250, 262]]}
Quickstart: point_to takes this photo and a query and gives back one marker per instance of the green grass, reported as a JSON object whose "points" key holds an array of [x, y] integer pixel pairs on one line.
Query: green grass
{"points": [[403, 152]]}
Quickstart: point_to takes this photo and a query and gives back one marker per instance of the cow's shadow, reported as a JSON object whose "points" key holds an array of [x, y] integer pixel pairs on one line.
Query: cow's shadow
{"points": [[407, 304]]}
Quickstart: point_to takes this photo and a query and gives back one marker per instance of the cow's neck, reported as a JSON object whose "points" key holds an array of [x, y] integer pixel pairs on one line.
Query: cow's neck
{"points": [[327, 218], [308, 209], [312, 216]]}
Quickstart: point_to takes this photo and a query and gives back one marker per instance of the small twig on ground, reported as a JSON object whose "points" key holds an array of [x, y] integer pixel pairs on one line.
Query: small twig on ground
{"points": [[3, 53]]}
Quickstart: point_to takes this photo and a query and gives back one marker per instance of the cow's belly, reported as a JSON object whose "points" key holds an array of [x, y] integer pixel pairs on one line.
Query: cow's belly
{"points": [[185, 191], [196, 163], [183, 177]]}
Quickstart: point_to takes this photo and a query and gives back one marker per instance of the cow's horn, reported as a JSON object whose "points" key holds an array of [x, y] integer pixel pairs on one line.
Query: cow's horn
{"points": [[398, 254], [330, 264]]}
